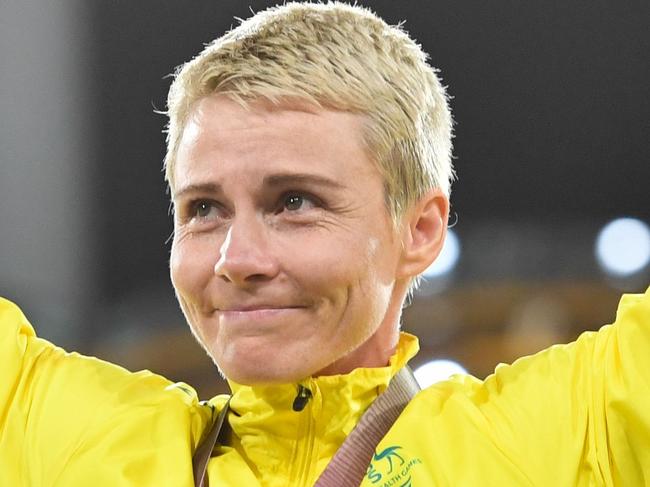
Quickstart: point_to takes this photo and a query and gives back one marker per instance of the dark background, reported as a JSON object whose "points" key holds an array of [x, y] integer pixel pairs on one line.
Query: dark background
{"points": [[551, 107], [551, 101]]}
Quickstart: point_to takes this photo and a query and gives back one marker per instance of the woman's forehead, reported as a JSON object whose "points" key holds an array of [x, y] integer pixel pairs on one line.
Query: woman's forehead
{"points": [[222, 137]]}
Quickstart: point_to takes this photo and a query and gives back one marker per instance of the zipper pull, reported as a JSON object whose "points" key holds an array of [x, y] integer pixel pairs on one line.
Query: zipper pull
{"points": [[301, 400]]}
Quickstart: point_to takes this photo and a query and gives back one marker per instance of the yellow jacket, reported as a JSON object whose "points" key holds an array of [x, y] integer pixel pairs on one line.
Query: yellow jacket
{"points": [[576, 414]]}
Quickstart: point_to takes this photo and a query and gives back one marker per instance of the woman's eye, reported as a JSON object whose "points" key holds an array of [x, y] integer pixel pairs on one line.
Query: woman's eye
{"points": [[202, 209], [295, 202]]}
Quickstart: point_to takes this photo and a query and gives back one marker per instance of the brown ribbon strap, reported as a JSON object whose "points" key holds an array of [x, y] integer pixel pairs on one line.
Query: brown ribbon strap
{"points": [[350, 463], [204, 451]]}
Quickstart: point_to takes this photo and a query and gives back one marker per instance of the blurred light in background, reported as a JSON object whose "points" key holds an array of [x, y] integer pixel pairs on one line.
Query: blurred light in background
{"points": [[437, 370], [623, 246], [536, 322], [447, 259]]}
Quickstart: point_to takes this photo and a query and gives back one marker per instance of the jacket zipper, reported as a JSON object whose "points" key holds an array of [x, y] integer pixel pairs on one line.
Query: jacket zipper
{"points": [[305, 401]]}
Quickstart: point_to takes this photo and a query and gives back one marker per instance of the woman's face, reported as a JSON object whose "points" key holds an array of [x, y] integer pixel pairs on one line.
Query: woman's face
{"points": [[284, 257]]}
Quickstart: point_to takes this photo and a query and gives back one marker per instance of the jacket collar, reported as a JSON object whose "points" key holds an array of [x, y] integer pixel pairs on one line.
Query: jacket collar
{"points": [[267, 430]]}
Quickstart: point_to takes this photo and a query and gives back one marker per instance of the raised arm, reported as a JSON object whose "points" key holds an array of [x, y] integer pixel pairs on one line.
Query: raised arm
{"points": [[576, 414], [67, 419]]}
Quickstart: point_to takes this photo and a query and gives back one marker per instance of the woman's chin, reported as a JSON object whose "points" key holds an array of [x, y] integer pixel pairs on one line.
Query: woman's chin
{"points": [[259, 374], [255, 367]]}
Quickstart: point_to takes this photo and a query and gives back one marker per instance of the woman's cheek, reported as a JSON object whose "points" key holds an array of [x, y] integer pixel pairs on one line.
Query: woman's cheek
{"points": [[192, 265]]}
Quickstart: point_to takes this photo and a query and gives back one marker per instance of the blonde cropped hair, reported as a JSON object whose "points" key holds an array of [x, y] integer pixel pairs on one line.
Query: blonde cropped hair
{"points": [[340, 57]]}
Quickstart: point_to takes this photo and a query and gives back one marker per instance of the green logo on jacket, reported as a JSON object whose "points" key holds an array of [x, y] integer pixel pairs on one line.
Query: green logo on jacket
{"points": [[391, 468]]}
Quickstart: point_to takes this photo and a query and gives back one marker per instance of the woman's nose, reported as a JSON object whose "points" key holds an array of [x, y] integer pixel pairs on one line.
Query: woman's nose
{"points": [[244, 255]]}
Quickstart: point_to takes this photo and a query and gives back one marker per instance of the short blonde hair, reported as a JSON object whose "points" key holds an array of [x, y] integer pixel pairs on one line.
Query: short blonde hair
{"points": [[340, 57]]}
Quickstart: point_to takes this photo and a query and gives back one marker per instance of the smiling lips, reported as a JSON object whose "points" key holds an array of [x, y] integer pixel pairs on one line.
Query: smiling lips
{"points": [[254, 307], [253, 316]]}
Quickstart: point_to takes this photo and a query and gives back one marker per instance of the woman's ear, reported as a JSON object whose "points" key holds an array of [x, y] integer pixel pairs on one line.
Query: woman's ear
{"points": [[423, 232]]}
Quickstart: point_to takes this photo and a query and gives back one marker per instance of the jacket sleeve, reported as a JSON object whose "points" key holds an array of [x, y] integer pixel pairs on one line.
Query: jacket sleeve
{"points": [[15, 335], [67, 419], [575, 414], [620, 400], [580, 413]]}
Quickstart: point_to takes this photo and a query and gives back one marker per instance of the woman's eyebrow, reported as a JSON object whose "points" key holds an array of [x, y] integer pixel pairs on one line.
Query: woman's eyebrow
{"points": [[273, 180], [284, 179], [211, 188]]}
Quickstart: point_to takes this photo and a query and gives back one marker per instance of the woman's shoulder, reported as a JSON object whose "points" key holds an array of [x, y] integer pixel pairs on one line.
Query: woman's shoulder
{"points": [[570, 402], [68, 408], [74, 389]]}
